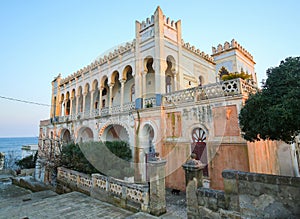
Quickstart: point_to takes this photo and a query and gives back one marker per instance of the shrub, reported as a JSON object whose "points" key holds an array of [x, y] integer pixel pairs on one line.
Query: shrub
{"points": [[231, 76], [27, 162]]}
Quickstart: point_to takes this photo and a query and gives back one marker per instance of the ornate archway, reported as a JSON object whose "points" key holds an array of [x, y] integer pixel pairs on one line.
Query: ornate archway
{"points": [[85, 134]]}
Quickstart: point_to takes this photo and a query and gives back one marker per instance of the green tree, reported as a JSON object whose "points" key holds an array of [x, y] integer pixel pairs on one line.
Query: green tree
{"points": [[274, 113], [108, 158], [27, 162]]}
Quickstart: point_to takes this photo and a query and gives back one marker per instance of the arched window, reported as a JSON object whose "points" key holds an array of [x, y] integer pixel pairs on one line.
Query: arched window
{"points": [[168, 84], [132, 97]]}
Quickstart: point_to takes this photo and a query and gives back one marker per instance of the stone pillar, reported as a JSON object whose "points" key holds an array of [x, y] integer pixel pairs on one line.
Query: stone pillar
{"points": [[83, 107], [144, 86], [193, 179], [92, 102], [175, 81], [122, 81], [192, 170], [156, 170], [61, 111], [77, 104], [110, 97], [71, 105]]}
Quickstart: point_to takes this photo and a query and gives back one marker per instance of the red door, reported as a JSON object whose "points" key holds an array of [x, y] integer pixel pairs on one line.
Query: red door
{"points": [[199, 147]]}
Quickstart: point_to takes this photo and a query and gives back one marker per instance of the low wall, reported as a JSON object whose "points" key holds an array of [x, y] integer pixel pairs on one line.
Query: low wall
{"points": [[134, 197], [248, 195]]}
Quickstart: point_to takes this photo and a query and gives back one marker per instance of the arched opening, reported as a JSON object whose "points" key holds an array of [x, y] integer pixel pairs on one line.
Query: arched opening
{"points": [[96, 94], [62, 105], [115, 133], [129, 85], [80, 100], [105, 88], [198, 147], [67, 104], [150, 78], [87, 98], [115, 95], [66, 137], [85, 134], [147, 137], [170, 71]]}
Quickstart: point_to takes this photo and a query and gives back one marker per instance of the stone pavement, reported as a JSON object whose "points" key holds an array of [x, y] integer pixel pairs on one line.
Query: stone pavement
{"points": [[16, 202]]}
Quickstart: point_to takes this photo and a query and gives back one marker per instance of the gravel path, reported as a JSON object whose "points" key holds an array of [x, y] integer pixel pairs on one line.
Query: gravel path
{"points": [[176, 203]]}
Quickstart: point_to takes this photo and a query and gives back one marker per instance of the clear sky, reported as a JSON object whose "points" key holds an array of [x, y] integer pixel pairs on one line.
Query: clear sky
{"points": [[40, 39]]}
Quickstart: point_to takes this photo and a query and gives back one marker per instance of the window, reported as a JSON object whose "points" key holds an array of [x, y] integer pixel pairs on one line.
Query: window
{"points": [[168, 84]]}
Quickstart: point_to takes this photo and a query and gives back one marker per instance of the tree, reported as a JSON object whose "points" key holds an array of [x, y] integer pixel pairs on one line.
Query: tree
{"points": [[27, 162], [273, 112]]}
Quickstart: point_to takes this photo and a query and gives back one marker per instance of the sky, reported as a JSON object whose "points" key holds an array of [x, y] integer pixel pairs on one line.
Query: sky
{"points": [[40, 39]]}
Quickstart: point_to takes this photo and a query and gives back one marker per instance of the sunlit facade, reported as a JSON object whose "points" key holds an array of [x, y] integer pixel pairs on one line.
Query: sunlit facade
{"points": [[160, 94]]}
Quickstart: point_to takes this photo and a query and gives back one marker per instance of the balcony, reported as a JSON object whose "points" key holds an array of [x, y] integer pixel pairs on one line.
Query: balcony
{"points": [[224, 89]]}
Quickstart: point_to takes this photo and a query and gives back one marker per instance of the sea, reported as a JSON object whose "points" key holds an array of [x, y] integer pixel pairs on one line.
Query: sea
{"points": [[12, 146]]}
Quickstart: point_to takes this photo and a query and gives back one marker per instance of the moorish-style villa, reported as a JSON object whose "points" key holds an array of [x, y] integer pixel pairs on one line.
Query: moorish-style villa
{"points": [[160, 93]]}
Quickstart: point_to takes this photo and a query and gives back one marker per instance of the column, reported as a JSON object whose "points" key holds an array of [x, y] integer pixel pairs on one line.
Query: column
{"points": [[175, 80], [77, 104], [83, 107], [122, 81], [157, 187], [193, 180], [111, 85], [92, 103], [100, 99], [144, 86], [71, 106], [61, 112]]}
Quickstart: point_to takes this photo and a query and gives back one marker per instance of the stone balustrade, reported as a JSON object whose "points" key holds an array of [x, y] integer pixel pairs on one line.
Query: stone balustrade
{"points": [[127, 195], [222, 89], [149, 102]]}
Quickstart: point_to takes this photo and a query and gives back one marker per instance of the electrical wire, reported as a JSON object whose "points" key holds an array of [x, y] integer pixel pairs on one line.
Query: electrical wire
{"points": [[24, 101]]}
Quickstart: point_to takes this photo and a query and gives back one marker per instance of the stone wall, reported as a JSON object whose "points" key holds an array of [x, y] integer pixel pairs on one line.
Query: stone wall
{"points": [[247, 195]]}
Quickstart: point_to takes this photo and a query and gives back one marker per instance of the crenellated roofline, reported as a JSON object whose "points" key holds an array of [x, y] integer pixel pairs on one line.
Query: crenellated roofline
{"points": [[230, 46]]}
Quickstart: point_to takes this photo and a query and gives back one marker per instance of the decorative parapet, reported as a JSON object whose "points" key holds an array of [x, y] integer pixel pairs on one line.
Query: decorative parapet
{"points": [[170, 23], [106, 188], [229, 46], [147, 23], [100, 61], [221, 89], [196, 51]]}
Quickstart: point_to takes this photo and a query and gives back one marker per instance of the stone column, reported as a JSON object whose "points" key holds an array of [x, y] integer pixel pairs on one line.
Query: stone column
{"points": [[192, 170], [71, 105], [83, 107], [77, 104], [61, 111], [175, 80], [193, 179], [122, 81], [144, 86], [110, 97], [156, 170], [92, 102]]}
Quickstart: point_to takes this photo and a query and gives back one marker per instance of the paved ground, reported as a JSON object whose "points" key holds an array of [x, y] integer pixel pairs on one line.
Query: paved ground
{"points": [[16, 202]]}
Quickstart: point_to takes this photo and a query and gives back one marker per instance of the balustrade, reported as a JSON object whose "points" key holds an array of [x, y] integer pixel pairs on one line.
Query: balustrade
{"points": [[137, 193]]}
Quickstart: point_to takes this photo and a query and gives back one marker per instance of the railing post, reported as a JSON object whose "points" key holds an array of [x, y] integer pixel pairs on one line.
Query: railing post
{"points": [[157, 187]]}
